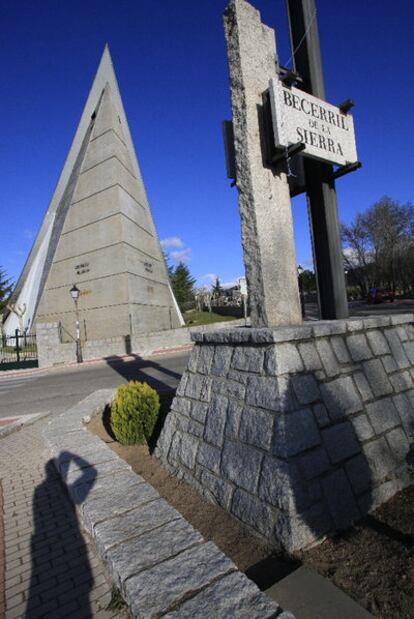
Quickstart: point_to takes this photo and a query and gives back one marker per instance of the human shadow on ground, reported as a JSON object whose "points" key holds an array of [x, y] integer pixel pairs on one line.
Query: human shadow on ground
{"points": [[61, 577]]}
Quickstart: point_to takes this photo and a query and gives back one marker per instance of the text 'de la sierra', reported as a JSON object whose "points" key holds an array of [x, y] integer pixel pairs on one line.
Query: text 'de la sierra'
{"points": [[327, 132]]}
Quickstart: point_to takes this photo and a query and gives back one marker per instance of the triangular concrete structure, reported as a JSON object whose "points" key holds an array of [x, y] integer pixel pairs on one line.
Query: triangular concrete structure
{"points": [[98, 232]]}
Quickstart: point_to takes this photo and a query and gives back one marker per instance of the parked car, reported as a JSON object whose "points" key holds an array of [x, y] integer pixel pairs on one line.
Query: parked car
{"points": [[378, 295]]}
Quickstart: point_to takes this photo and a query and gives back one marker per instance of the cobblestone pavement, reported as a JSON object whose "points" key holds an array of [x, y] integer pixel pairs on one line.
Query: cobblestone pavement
{"points": [[51, 568]]}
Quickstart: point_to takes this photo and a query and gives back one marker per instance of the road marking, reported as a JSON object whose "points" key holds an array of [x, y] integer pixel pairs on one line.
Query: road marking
{"points": [[18, 420]]}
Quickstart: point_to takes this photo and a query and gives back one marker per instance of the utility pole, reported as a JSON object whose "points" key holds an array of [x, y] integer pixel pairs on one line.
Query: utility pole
{"points": [[320, 185]]}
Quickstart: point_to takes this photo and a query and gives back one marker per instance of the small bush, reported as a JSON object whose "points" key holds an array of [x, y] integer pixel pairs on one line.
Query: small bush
{"points": [[134, 413]]}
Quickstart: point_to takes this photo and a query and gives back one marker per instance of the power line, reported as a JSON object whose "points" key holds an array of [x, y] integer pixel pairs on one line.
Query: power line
{"points": [[303, 38]]}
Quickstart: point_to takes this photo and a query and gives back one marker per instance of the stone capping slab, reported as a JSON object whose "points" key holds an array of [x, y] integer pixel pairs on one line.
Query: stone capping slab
{"points": [[320, 328], [137, 533]]}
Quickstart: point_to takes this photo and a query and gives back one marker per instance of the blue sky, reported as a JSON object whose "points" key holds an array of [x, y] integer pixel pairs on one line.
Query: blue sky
{"points": [[171, 65]]}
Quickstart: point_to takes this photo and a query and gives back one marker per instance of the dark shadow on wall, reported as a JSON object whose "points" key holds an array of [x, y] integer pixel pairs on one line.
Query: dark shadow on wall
{"points": [[333, 483], [329, 457], [143, 370], [61, 576]]}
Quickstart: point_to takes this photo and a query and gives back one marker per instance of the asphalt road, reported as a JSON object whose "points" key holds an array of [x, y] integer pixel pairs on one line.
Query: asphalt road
{"points": [[61, 388], [58, 389]]}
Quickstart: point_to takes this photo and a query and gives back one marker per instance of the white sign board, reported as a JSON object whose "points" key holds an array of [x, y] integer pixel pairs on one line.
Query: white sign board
{"points": [[299, 117], [243, 286]]}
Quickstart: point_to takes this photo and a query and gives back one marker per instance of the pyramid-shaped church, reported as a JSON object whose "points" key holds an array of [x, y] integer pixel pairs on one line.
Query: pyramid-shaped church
{"points": [[98, 233]]}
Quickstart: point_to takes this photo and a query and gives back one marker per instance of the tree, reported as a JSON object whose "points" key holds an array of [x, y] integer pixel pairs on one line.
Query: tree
{"points": [[203, 298], [182, 284], [170, 268], [6, 287], [307, 280], [379, 247], [217, 289], [388, 222], [357, 255]]}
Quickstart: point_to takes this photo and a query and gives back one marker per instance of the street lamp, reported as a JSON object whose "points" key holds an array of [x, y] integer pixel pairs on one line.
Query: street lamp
{"points": [[302, 300], [74, 292]]}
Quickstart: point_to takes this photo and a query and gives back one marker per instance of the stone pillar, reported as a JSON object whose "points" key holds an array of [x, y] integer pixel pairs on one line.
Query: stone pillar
{"points": [[264, 199]]}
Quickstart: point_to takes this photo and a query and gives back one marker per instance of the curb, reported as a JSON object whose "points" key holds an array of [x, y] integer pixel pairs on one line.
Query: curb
{"points": [[20, 423], [13, 373], [142, 540]]}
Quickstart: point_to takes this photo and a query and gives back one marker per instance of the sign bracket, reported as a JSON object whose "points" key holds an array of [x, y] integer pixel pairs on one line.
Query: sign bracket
{"points": [[290, 151], [289, 77], [346, 105], [346, 169]]}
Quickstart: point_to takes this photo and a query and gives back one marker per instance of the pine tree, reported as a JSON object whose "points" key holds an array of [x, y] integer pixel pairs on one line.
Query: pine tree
{"points": [[170, 268], [6, 287], [217, 289], [182, 284]]}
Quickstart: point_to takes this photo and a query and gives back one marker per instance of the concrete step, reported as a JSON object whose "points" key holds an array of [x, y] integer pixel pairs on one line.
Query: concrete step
{"points": [[311, 596]]}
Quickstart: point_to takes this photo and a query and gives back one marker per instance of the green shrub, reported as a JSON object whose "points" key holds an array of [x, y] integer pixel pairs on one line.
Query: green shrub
{"points": [[134, 413]]}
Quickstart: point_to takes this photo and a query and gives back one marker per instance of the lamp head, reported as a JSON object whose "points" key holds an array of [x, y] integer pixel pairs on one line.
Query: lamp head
{"points": [[74, 291]]}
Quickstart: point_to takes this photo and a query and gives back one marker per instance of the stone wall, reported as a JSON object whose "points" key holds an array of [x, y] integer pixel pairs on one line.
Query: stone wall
{"points": [[145, 343], [52, 351], [96, 349], [297, 431]]}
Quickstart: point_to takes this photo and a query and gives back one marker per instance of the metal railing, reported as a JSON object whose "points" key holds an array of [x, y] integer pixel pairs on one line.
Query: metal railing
{"points": [[18, 347]]}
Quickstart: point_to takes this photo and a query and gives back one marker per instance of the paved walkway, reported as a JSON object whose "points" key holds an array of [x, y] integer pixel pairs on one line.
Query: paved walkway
{"points": [[51, 568]]}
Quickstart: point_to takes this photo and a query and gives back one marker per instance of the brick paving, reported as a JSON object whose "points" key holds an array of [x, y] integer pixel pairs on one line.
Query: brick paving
{"points": [[2, 558], [48, 567]]}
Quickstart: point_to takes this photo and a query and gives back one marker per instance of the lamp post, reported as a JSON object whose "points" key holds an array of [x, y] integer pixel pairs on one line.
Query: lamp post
{"points": [[302, 299], [74, 291]]}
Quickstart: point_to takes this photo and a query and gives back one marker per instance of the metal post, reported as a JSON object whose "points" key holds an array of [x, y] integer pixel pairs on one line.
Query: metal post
{"points": [[320, 186], [244, 309], [302, 297], [16, 334], [78, 342]]}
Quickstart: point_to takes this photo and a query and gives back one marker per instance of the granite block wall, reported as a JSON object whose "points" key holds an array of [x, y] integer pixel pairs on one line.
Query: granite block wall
{"points": [[52, 351], [297, 431], [96, 349]]}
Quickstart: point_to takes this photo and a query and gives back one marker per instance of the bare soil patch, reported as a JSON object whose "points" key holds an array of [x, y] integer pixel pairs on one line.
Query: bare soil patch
{"points": [[373, 562]]}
